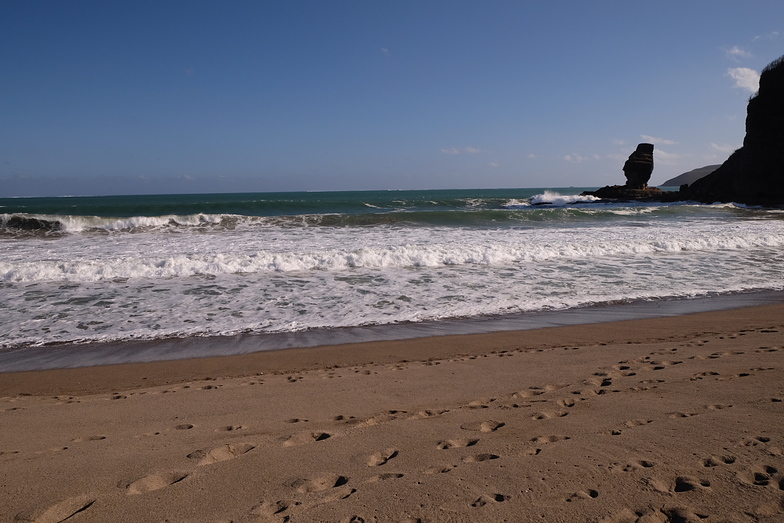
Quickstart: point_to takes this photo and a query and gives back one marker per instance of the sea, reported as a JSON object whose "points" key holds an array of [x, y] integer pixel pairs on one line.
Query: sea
{"points": [[86, 270]]}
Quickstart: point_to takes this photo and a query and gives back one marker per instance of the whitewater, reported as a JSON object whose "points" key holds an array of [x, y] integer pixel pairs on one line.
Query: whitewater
{"points": [[75, 270]]}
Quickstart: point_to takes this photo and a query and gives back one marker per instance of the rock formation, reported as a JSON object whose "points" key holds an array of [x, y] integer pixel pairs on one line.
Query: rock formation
{"points": [[638, 169], [754, 174], [639, 166]]}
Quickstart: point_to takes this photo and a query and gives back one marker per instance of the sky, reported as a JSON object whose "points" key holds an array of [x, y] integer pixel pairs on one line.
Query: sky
{"points": [[169, 96]]}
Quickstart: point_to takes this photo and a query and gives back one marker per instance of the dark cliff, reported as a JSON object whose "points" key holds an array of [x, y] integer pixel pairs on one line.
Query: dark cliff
{"points": [[754, 174], [690, 177]]}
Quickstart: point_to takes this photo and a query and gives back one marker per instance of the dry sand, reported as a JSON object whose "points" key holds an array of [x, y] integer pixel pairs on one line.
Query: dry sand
{"points": [[669, 419]]}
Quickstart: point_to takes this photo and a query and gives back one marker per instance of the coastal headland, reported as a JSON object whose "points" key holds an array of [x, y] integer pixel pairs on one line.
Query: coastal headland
{"points": [[751, 175], [660, 419]]}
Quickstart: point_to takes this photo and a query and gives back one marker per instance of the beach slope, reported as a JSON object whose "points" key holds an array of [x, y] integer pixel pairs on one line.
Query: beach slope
{"points": [[667, 419]]}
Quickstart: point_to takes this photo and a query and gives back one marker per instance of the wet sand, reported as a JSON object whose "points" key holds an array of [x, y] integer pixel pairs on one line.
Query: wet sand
{"points": [[661, 419]]}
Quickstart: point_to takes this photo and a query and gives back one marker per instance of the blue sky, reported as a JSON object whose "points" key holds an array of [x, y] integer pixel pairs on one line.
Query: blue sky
{"points": [[140, 97]]}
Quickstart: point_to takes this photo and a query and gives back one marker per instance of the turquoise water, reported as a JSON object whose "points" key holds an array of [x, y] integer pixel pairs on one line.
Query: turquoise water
{"points": [[82, 269]]}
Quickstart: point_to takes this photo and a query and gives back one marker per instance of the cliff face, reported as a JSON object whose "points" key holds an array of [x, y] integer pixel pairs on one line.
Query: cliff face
{"points": [[754, 174], [689, 177]]}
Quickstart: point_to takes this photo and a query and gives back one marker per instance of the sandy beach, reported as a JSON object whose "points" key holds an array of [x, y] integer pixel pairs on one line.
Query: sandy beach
{"points": [[665, 419]]}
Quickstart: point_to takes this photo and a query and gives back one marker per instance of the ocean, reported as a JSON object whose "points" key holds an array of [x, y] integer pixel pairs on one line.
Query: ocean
{"points": [[119, 268]]}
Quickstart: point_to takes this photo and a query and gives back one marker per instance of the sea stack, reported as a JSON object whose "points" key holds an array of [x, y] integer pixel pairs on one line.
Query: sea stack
{"points": [[638, 169], [754, 174], [639, 166]]}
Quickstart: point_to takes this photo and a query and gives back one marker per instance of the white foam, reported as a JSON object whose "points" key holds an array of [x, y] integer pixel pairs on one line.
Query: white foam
{"points": [[557, 199], [85, 259], [192, 280]]}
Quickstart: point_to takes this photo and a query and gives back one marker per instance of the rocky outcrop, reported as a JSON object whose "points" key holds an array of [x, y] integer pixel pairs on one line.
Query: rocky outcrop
{"points": [[639, 166], [638, 169], [754, 174]]}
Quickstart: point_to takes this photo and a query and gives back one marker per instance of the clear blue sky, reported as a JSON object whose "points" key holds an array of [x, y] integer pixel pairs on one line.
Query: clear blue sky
{"points": [[138, 97]]}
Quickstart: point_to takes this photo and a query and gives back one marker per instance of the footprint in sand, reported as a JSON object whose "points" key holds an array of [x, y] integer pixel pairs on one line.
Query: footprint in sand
{"points": [[687, 484], [82, 439], [715, 461], [753, 442], [483, 426], [533, 391], [439, 470], [384, 477], [222, 453], [478, 458], [487, 499], [270, 508], [549, 415], [456, 443], [304, 438], [638, 465], [760, 476], [422, 414], [58, 512], [318, 483], [668, 514], [637, 422], [480, 404], [583, 494], [675, 415], [549, 439], [155, 481], [380, 458]]}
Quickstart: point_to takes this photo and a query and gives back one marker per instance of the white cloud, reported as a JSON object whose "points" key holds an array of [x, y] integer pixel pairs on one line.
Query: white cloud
{"points": [[657, 141], [531, 156], [574, 158], [464, 150], [723, 148], [474, 150], [385, 51], [769, 36], [736, 52], [619, 142], [745, 78], [668, 158], [493, 164]]}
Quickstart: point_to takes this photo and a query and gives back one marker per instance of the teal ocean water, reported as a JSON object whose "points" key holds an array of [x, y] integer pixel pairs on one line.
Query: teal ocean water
{"points": [[81, 269]]}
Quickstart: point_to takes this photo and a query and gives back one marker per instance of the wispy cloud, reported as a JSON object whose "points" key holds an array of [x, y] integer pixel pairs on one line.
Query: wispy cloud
{"points": [[657, 141], [768, 36], [385, 51], [668, 158], [723, 148], [494, 164], [474, 150], [464, 150], [531, 156], [618, 142], [745, 78], [736, 52], [577, 158]]}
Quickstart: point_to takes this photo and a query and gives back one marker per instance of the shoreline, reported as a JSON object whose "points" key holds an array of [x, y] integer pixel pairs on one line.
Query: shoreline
{"points": [[75, 355], [133, 375], [672, 418]]}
